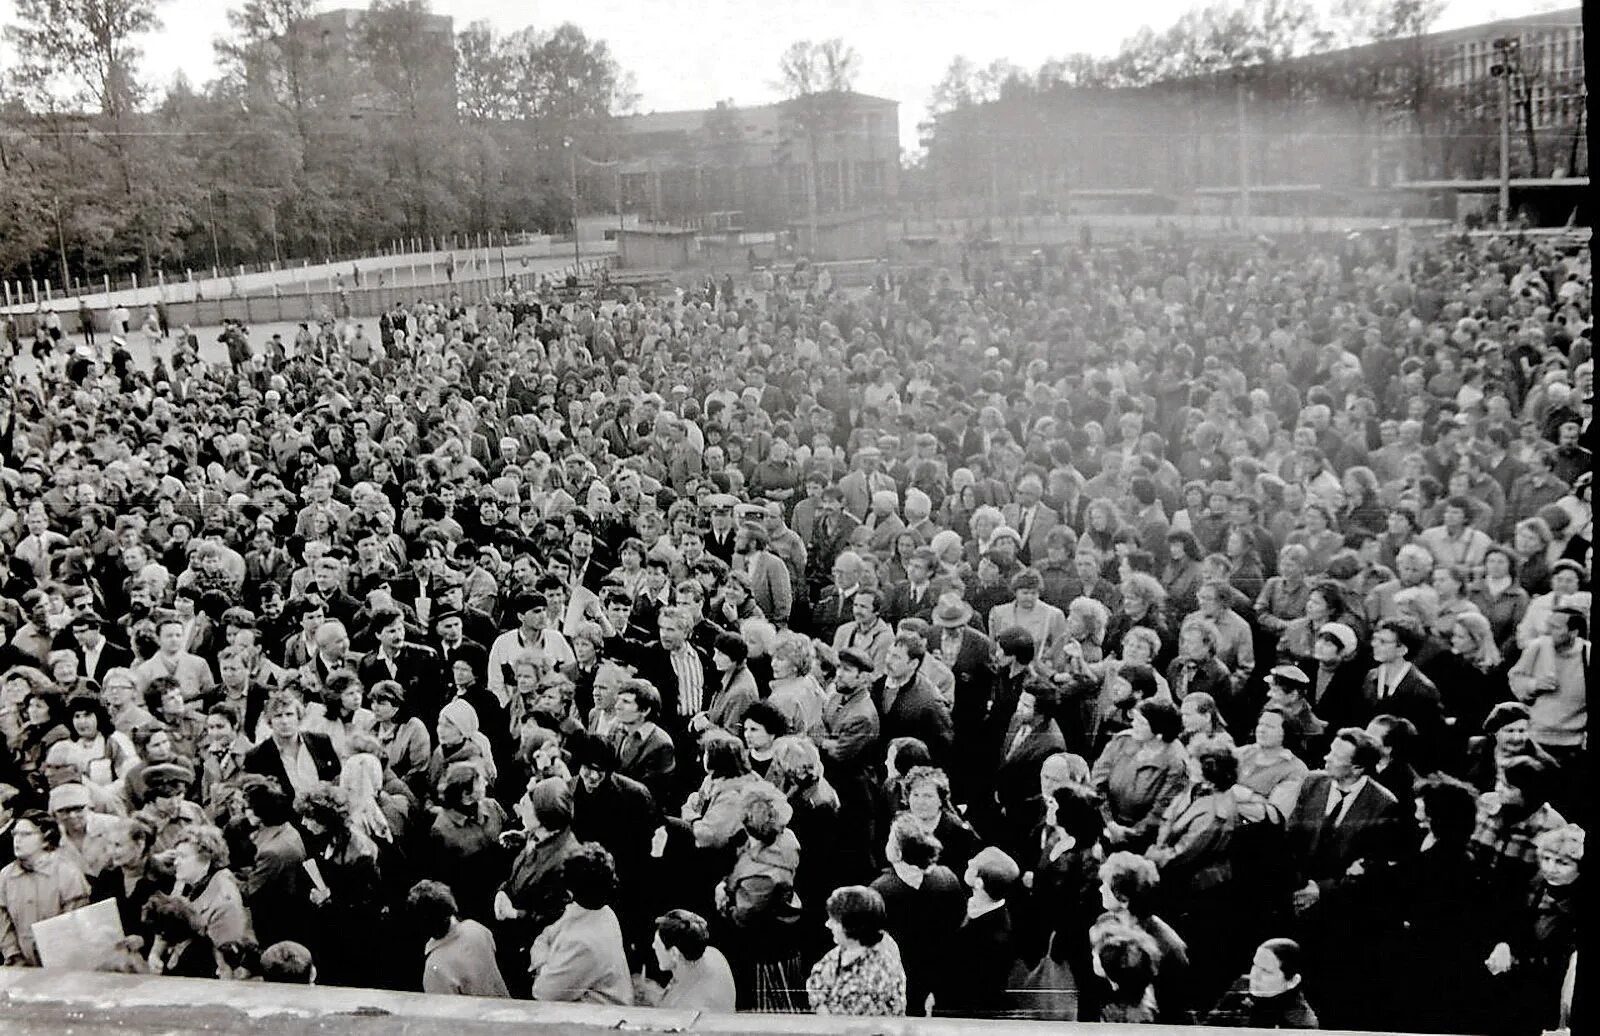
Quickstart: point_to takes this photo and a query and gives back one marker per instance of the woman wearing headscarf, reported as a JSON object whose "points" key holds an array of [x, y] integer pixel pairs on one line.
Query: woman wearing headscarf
{"points": [[460, 741]]}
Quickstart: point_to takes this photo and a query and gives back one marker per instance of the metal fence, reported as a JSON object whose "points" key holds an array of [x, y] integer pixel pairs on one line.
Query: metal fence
{"points": [[367, 301]]}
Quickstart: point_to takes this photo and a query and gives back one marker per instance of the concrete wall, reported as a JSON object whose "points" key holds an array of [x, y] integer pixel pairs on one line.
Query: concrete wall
{"points": [[49, 1003]]}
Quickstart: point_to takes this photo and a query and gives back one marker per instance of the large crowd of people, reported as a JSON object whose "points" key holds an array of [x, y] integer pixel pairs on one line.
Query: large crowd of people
{"points": [[1176, 631]]}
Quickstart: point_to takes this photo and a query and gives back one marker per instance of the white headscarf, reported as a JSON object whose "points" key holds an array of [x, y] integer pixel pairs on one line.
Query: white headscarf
{"points": [[362, 778]]}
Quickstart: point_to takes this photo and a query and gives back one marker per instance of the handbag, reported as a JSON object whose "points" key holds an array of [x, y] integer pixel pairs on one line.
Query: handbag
{"points": [[1048, 991]]}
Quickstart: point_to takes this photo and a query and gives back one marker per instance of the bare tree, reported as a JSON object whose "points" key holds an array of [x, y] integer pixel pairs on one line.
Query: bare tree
{"points": [[817, 78]]}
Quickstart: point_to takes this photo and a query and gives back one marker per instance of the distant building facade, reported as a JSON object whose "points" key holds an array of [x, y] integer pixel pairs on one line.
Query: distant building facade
{"points": [[749, 167], [1344, 122]]}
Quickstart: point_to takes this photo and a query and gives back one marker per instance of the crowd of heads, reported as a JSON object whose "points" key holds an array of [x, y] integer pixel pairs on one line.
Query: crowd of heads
{"points": [[1134, 632]]}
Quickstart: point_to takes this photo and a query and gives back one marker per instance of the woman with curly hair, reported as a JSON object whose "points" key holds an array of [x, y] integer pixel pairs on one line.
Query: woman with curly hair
{"points": [[200, 865], [347, 888], [1144, 602], [927, 798], [1182, 575], [797, 771], [758, 904], [862, 975], [1129, 884], [44, 715], [795, 691]]}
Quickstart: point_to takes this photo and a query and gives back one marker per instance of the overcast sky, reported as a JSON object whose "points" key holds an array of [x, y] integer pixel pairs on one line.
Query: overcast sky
{"points": [[691, 53]]}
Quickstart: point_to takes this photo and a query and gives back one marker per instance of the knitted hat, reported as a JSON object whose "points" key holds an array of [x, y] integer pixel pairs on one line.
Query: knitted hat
{"points": [[551, 799], [461, 715]]}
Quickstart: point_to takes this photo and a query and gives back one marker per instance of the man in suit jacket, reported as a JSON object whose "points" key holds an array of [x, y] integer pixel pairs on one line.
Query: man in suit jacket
{"points": [[644, 750], [449, 631], [915, 598], [769, 576], [867, 479], [1031, 517], [835, 605], [850, 746], [297, 759], [1344, 836], [1396, 687], [971, 658], [983, 952], [681, 674], [97, 654], [883, 524], [907, 703], [428, 683]]}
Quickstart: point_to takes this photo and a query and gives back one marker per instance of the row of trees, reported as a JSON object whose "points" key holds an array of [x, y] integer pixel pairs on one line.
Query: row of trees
{"points": [[1323, 93], [317, 138]]}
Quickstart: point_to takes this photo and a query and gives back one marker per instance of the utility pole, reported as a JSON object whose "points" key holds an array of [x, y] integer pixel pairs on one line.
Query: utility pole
{"points": [[1244, 156], [577, 249], [1506, 48]]}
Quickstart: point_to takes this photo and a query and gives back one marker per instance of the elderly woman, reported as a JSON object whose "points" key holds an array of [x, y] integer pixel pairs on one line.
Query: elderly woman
{"points": [[1506, 736], [1046, 622], [795, 690], [127, 880], [757, 899], [1087, 620], [37, 885], [1267, 766], [1139, 773], [1538, 936], [927, 799], [1197, 670], [735, 689], [1283, 598], [862, 975], [760, 639], [200, 865]]}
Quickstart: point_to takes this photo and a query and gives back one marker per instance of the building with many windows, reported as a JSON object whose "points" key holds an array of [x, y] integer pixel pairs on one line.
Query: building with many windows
{"points": [[751, 167], [1340, 128]]}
